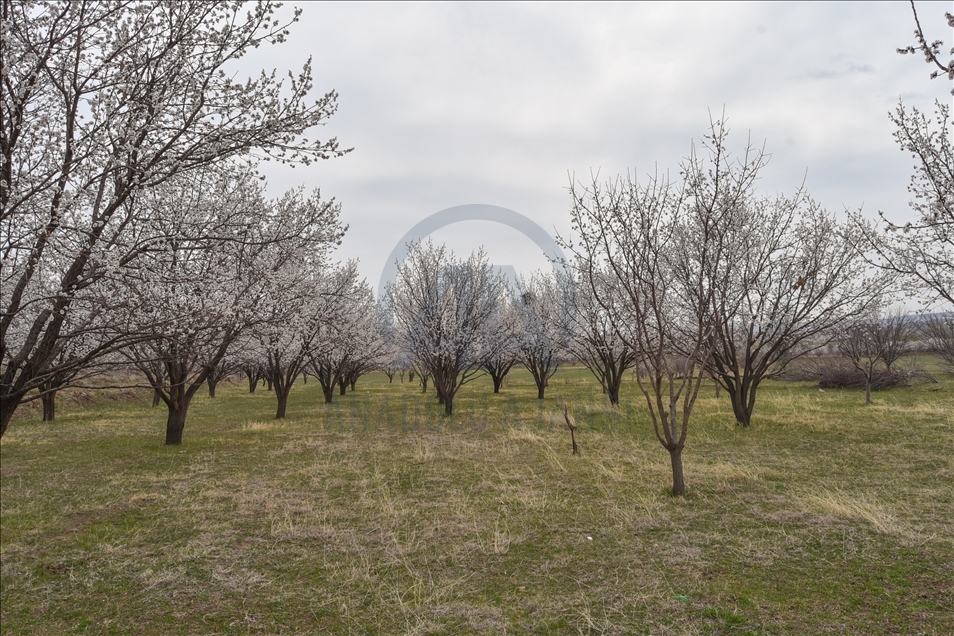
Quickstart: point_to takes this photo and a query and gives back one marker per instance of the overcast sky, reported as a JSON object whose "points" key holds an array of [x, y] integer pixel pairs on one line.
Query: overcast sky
{"points": [[447, 104]]}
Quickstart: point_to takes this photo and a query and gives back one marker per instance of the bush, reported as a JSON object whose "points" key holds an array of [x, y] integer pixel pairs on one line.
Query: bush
{"points": [[835, 372]]}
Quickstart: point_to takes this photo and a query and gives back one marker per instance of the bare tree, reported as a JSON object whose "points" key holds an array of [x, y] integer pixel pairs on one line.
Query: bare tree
{"points": [[778, 276], [441, 305], [102, 101], [594, 342], [938, 330], [628, 247], [923, 250], [253, 370], [861, 345], [892, 334], [226, 367], [932, 51]]}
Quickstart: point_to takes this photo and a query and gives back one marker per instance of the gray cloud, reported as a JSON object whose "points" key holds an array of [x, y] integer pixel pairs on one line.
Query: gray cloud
{"points": [[447, 104]]}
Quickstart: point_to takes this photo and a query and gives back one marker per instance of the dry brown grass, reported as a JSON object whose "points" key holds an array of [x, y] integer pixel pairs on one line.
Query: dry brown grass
{"points": [[378, 515]]}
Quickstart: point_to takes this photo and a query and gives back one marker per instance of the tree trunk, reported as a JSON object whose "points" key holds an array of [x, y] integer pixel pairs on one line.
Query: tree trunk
{"points": [[49, 406], [268, 383], [541, 387], [329, 391], [448, 404], [156, 398], [612, 387], [678, 481], [353, 383], [342, 386], [8, 405], [282, 396], [175, 423], [212, 384], [867, 391], [424, 384], [743, 416], [498, 380], [252, 382]]}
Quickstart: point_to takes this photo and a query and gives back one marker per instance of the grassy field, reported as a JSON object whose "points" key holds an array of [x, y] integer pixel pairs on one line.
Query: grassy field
{"points": [[378, 515]]}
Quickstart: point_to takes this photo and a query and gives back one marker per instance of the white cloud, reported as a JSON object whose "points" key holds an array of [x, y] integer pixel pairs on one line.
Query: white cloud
{"points": [[448, 104]]}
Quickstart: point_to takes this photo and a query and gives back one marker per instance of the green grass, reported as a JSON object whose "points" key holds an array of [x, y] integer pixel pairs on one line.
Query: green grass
{"points": [[378, 515]]}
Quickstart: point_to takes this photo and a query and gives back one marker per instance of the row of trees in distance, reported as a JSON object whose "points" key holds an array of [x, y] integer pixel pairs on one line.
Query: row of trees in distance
{"points": [[135, 230]]}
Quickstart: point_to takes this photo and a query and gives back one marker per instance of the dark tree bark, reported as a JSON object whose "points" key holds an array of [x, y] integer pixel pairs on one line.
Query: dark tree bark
{"points": [[542, 366], [613, 371], [175, 422], [445, 395], [497, 370], [448, 405], [49, 390], [7, 407], [327, 375], [49, 406], [498, 381], [282, 390], [178, 396], [742, 394], [678, 481], [282, 402], [283, 373], [254, 376], [178, 377]]}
